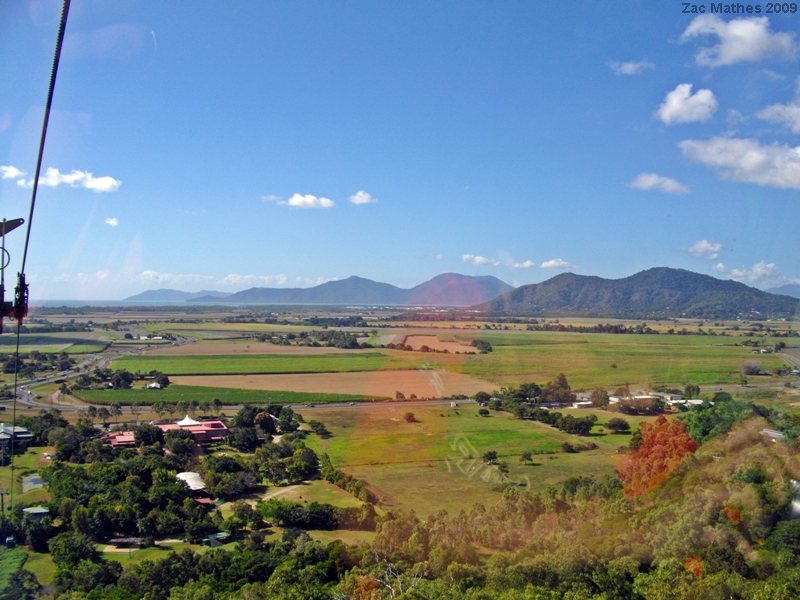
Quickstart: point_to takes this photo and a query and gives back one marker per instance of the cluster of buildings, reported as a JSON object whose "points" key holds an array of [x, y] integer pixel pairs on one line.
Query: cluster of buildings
{"points": [[204, 432]]}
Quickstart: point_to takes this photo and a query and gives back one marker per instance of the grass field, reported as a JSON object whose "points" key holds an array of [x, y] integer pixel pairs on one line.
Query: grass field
{"points": [[31, 461], [50, 343], [239, 364], [181, 393], [435, 463], [588, 359], [11, 561], [41, 565]]}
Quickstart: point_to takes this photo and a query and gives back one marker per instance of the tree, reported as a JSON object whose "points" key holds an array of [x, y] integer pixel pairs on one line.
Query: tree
{"points": [[599, 397], [116, 410], [147, 435], [490, 457], [217, 403], [68, 549], [482, 397], [618, 425], [752, 367], [104, 414], [135, 410], [409, 417], [664, 445], [91, 412], [502, 469], [484, 412], [526, 457], [160, 409], [691, 390]]}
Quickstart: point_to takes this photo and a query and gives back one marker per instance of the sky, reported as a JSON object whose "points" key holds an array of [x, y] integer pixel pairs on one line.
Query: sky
{"points": [[198, 145]]}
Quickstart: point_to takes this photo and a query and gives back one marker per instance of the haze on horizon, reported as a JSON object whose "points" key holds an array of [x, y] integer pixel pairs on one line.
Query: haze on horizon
{"points": [[287, 145]]}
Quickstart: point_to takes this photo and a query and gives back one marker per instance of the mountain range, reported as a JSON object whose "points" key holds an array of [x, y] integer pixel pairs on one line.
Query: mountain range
{"points": [[655, 293], [448, 289], [790, 289]]}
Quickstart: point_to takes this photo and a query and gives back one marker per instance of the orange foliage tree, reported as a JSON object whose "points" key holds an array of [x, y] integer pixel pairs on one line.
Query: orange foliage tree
{"points": [[665, 444]]}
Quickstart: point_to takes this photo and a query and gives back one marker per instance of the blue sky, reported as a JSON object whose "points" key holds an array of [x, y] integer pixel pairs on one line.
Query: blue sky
{"points": [[285, 144]]}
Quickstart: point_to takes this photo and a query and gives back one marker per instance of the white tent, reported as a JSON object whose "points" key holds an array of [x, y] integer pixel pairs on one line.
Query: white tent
{"points": [[186, 421]]}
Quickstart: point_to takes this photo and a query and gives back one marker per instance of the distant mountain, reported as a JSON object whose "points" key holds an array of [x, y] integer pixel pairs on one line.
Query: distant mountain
{"points": [[790, 289], [452, 289], [449, 289], [660, 292], [167, 295]]}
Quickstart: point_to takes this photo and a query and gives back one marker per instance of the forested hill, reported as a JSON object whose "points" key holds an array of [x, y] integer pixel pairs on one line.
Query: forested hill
{"points": [[655, 293], [168, 295], [448, 289]]}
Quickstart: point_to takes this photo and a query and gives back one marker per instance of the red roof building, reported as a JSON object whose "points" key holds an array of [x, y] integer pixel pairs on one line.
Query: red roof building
{"points": [[205, 432]]}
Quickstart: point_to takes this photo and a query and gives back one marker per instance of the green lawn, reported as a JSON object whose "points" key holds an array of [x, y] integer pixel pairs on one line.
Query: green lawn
{"points": [[41, 565], [180, 393], [26, 463], [11, 561], [436, 462], [266, 363]]}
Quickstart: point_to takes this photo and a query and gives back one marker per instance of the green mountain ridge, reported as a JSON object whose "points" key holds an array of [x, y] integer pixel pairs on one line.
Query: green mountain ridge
{"points": [[660, 292]]}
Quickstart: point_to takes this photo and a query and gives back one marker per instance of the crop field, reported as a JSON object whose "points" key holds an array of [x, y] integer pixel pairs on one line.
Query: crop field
{"points": [[186, 393], [435, 463], [246, 347], [610, 360], [243, 364], [50, 343], [423, 383]]}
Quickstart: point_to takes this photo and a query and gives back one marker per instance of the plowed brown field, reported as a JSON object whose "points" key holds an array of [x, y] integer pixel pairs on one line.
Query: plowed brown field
{"points": [[422, 383], [431, 341]]}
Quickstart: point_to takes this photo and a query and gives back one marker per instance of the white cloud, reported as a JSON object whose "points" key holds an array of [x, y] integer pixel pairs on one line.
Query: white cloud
{"points": [[112, 221], [271, 198], [785, 114], [630, 68], [740, 40], [247, 281], [747, 160], [307, 201], [310, 281], [480, 260], [525, 265], [772, 75], [53, 178], [762, 274], [705, 249], [653, 181], [681, 106], [232, 281], [438, 256], [557, 263], [361, 197], [10, 172]]}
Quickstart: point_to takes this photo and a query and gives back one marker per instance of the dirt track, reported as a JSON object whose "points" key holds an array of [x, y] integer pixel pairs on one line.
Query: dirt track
{"points": [[424, 384]]}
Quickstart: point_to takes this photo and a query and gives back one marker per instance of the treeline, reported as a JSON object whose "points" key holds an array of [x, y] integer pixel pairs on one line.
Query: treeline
{"points": [[315, 515], [353, 321], [639, 329], [347, 482]]}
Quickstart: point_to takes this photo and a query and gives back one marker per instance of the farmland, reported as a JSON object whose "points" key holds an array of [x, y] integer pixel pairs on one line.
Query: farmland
{"points": [[180, 393], [225, 364], [435, 463]]}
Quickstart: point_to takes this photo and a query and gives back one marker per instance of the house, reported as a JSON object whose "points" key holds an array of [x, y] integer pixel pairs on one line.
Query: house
{"points": [[668, 398], [22, 438], [153, 386], [583, 404], [36, 512]]}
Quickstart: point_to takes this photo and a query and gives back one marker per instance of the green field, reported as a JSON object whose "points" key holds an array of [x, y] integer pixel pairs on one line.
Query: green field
{"points": [[30, 462], [435, 463], [187, 393], [51, 343], [11, 561], [587, 359], [265, 363]]}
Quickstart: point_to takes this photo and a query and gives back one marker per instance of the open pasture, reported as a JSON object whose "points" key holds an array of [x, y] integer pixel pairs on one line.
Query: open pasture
{"points": [[186, 393], [423, 383], [248, 347], [436, 343], [245, 364], [435, 463], [609, 360], [51, 343]]}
